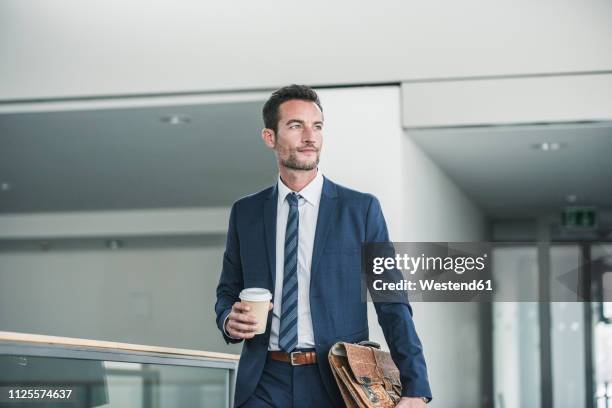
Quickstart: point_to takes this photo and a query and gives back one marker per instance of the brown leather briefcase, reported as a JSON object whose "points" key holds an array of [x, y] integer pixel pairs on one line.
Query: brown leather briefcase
{"points": [[367, 376]]}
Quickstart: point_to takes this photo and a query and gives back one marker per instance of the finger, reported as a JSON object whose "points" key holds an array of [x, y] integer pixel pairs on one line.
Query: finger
{"points": [[235, 333], [241, 327], [242, 317], [271, 306], [241, 307], [241, 335]]}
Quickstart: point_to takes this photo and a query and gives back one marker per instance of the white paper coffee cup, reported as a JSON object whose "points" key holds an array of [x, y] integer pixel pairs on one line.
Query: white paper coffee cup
{"points": [[258, 300]]}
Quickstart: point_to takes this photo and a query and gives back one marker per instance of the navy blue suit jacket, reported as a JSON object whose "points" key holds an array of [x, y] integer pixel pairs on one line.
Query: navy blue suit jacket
{"points": [[346, 219]]}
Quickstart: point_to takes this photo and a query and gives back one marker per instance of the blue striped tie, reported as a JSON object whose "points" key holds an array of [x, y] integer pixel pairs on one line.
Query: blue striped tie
{"points": [[288, 336]]}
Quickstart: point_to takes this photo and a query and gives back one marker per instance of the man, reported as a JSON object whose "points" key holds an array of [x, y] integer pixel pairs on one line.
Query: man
{"points": [[301, 239]]}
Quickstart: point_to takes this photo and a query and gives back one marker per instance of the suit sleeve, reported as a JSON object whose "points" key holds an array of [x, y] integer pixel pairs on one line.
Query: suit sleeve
{"points": [[395, 319], [231, 281]]}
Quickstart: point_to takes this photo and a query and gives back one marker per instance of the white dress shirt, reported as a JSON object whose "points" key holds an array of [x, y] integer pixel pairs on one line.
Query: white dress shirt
{"points": [[308, 208]]}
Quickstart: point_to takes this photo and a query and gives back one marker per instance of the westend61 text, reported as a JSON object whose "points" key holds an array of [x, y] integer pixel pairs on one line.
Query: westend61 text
{"points": [[429, 285]]}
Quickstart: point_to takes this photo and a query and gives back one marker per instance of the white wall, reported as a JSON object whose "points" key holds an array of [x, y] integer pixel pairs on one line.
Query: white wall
{"points": [[365, 148], [439, 212], [102, 47], [154, 295], [144, 296], [82, 224]]}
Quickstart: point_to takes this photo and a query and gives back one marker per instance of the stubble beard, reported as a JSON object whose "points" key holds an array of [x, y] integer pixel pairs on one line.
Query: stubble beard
{"points": [[293, 163]]}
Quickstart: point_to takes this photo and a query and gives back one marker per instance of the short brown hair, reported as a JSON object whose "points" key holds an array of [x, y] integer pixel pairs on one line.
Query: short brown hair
{"points": [[284, 94]]}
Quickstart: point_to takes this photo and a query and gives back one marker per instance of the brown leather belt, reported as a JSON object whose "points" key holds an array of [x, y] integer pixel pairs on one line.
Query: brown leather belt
{"points": [[295, 357]]}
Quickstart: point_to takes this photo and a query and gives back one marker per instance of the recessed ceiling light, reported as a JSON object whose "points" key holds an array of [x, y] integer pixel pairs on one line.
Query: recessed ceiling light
{"points": [[114, 244], [176, 119], [571, 198], [4, 186], [549, 146]]}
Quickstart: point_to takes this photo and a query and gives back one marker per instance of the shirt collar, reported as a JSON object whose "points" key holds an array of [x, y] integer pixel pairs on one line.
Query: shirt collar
{"points": [[311, 193]]}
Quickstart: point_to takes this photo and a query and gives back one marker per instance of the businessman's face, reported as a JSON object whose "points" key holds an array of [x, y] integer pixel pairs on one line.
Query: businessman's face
{"points": [[299, 137]]}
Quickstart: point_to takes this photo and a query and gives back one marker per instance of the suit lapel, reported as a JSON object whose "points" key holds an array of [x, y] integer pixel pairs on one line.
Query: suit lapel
{"points": [[327, 210], [270, 231]]}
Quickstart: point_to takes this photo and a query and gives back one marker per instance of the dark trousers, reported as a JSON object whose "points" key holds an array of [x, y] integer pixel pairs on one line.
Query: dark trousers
{"points": [[285, 386]]}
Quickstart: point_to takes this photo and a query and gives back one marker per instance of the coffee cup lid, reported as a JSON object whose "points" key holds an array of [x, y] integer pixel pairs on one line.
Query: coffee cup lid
{"points": [[255, 294]]}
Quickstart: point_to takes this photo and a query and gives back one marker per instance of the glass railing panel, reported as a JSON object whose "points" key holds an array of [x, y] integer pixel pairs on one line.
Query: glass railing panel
{"points": [[68, 375]]}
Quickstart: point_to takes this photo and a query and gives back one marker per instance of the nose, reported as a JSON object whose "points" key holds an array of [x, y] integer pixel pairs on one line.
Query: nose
{"points": [[308, 134]]}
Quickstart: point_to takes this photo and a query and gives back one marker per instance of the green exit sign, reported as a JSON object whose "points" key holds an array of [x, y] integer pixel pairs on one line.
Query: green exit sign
{"points": [[579, 218]]}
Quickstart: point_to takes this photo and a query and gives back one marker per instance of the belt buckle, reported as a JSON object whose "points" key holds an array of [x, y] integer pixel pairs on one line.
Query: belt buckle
{"points": [[291, 356]]}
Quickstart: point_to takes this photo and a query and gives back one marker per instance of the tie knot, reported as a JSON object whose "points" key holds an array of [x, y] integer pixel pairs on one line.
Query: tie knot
{"points": [[293, 198]]}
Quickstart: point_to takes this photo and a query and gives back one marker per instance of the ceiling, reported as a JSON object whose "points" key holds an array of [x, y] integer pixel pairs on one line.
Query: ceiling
{"points": [[76, 48], [130, 159], [508, 178]]}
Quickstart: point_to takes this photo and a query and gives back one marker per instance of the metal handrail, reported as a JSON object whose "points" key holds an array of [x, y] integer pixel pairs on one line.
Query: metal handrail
{"points": [[34, 345]]}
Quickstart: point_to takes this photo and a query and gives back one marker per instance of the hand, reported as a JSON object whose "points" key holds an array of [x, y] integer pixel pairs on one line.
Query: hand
{"points": [[240, 324], [411, 402]]}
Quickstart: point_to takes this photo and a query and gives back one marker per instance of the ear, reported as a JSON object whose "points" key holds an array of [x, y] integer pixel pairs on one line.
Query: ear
{"points": [[267, 135]]}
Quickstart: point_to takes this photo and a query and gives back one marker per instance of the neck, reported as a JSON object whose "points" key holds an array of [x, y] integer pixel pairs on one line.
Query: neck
{"points": [[296, 180]]}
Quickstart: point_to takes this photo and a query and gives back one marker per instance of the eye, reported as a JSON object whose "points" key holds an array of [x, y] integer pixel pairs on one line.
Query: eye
{"points": [[294, 126], [319, 127]]}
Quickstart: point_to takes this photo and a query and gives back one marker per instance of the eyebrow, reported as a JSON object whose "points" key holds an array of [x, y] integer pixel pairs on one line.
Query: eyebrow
{"points": [[290, 121]]}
